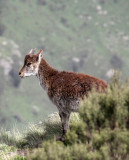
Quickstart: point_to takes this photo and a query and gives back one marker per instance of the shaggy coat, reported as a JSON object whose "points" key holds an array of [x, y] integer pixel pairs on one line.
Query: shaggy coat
{"points": [[65, 89]]}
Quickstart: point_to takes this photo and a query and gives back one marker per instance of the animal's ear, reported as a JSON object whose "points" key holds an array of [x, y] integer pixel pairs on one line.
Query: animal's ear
{"points": [[31, 52], [40, 54]]}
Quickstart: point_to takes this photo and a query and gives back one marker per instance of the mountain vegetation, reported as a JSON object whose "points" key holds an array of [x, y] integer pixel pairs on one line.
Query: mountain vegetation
{"points": [[99, 132]]}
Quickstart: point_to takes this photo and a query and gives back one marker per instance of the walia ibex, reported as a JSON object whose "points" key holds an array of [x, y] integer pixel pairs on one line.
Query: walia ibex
{"points": [[65, 89]]}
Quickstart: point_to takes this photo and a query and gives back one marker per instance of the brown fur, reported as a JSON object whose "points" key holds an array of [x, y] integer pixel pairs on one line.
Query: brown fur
{"points": [[68, 84], [65, 89]]}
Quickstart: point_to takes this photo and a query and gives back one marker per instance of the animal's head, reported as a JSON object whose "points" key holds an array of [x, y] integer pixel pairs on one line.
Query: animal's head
{"points": [[31, 63]]}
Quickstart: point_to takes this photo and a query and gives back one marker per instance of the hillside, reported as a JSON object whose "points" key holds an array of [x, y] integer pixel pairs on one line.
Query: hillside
{"points": [[99, 132], [83, 36]]}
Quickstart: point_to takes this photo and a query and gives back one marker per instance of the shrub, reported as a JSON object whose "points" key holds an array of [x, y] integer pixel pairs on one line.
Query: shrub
{"points": [[104, 122], [102, 131], [55, 151]]}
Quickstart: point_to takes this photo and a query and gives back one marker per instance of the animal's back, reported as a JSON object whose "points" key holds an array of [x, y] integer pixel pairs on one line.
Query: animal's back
{"points": [[68, 88]]}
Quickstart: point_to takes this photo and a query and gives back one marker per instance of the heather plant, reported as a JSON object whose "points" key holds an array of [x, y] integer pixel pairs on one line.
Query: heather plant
{"points": [[101, 131]]}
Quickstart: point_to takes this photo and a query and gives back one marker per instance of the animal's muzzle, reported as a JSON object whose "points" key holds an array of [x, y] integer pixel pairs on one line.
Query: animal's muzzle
{"points": [[21, 74]]}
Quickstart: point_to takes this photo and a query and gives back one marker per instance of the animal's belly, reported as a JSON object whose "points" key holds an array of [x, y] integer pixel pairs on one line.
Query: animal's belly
{"points": [[67, 104]]}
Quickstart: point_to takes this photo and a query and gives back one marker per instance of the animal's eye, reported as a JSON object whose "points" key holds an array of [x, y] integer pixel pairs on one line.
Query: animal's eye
{"points": [[28, 64]]}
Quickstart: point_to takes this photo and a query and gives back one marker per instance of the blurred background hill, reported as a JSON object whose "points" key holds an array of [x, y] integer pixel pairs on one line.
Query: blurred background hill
{"points": [[89, 36]]}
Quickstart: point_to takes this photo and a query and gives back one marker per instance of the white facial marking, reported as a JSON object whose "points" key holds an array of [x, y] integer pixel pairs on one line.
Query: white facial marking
{"points": [[28, 74], [31, 70]]}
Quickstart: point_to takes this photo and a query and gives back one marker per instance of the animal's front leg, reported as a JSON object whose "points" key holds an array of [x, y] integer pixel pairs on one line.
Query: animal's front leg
{"points": [[65, 123]]}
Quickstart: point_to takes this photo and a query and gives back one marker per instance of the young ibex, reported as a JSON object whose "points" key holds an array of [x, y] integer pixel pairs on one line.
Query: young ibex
{"points": [[65, 89]]}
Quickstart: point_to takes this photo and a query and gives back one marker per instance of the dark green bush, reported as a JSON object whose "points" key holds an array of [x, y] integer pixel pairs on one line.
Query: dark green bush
{"points": [[101, 133], [57, 151]]}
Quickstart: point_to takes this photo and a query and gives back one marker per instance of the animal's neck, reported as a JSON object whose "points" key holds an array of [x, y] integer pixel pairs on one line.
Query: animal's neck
{"points": [[45, 72]]}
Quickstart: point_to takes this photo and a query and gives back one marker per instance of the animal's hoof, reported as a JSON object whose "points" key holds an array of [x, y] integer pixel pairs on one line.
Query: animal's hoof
{"points": [[60, 138]]}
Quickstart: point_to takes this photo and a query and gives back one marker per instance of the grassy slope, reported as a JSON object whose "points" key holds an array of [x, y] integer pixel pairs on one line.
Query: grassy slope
{"points": [[64, 29], [17, 144], [99, 132]]}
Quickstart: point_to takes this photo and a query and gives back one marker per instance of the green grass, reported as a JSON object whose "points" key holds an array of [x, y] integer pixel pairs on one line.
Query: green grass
{"points": [[15, 143], [34, 134], [99, 131]]}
